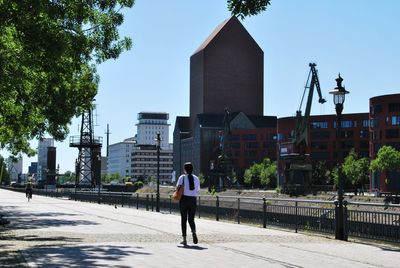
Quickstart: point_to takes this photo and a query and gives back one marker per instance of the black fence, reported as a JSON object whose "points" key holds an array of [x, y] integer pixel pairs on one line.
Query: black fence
{"points": [[363, 220]]}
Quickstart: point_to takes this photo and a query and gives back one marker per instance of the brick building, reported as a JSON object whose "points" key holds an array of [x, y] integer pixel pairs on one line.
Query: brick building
{"points": [[384, 115]]}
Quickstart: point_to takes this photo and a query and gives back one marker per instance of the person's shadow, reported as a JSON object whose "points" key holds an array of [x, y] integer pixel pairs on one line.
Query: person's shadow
{"points": [[192, 247]]}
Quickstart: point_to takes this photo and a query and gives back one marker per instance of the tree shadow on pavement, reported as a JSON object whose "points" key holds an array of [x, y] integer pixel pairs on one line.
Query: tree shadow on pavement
{"points": [[9, 257], [81, 255], [22, 220]]}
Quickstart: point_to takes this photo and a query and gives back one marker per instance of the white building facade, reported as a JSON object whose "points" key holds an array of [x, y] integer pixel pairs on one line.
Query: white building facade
{"points": [[14, 167], [151, 123], [119, 158], [144, 163]]}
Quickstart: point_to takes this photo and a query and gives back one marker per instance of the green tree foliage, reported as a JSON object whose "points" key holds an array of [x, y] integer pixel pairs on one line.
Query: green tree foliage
{"points": [[202, 179], [69, 176], [356, 169], [48, 51], [261, 174], [247, 8], [320, 174], [387, 159]]}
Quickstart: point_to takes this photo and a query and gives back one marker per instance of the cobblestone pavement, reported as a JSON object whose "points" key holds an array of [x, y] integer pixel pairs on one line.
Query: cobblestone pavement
{"points": [[50, 232]]}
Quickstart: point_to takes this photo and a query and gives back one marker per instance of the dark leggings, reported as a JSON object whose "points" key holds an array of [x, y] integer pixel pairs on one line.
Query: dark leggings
{"points": [[188, 205]]}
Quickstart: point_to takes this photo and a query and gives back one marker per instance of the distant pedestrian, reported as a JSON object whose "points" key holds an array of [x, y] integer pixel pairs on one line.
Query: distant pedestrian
{"points": [[188, 202]]}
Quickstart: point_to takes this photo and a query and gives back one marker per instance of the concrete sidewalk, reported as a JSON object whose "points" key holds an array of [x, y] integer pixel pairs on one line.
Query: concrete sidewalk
{"points": [[63, 233]]}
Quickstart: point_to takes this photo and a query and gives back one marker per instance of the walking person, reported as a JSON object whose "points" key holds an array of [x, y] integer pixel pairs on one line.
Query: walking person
{"points": [[188, 201]]}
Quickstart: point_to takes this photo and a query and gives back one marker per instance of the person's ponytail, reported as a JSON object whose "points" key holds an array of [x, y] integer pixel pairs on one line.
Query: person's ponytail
{"points": [[189, 169]]}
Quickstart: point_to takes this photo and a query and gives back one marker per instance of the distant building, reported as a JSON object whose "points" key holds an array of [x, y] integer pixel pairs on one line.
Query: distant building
{"points": [[384, 116], [226, 72], [151, 123], [14, 167], [144, 163], [119, 157], [32, 169], [136, 156], [42, 157]]}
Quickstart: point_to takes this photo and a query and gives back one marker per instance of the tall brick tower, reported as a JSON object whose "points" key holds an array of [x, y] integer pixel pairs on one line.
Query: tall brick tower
{"points": [[227, 71]]}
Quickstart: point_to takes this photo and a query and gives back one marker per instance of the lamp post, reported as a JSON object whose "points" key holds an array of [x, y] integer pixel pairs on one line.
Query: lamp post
{"points": [[98, 158], [339, 93], [57, 176], [158, 141]]}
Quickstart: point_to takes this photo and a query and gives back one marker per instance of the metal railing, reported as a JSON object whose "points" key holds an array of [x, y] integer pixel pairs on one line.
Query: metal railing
{"points": [[363, 220]]}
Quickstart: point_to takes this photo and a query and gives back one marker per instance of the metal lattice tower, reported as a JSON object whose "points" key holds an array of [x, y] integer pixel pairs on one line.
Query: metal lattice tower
{"points": [[88, 164]]}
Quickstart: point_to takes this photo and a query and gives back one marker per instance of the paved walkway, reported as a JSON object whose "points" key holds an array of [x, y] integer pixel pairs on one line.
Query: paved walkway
{"points": [[63, 233]]}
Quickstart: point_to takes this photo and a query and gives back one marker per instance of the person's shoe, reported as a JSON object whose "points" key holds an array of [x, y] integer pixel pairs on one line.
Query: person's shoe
{"points": [[184, 242], [195, 240]]}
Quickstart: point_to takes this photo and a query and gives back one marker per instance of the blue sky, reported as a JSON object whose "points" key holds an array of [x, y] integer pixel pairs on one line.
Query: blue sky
{"points": [[358, 38]]}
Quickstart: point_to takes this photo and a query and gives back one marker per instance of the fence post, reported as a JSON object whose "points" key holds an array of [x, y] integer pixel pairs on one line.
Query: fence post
{"points": [[345, 222], [152, 203], [199, 207], [238, 215], [170, 204], [137, 200], [109, 197], [217, 209], [296, 217], [264, 213], [147, 202], [122, 199]]}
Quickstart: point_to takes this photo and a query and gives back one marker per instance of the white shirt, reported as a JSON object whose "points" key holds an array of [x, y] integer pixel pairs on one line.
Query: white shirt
{"points": [[185, 180]]}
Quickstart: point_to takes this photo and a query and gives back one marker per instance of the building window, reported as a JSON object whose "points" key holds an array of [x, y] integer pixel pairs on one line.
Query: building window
{"points": [[319, 146], [319, 135], [364, 134], [395, 120], [376, 109], [374, 122], [392, 133], [319, 124], [348, 123], [249, 137], [394, 107], [252, 145], [365, 123]]}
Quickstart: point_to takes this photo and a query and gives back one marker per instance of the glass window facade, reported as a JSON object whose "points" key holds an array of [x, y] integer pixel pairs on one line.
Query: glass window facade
{"points": [[321, 124]]}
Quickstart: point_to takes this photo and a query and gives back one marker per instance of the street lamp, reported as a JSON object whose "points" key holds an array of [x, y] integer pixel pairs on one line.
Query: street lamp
{"points": [[339, 94], [158, 141]]}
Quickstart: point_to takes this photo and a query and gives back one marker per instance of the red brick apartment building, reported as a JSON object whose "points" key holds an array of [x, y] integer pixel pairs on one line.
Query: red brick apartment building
{"points": [[384, 115], [365, 132]]}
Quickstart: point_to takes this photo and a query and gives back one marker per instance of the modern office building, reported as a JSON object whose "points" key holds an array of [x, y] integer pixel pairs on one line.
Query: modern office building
{"points": [[119, 158], [42, 150], [136, 157], [144, 163], [151, 123]]}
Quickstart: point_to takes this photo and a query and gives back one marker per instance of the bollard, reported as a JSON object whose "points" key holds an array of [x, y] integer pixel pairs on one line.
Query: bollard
{"points": [[264, 213], [170, 204], [137, 200], [147, 202], [122, 199], [238, 215], [152, 203], [199, 208], [217, 208], [296, 218], [345, 223]]}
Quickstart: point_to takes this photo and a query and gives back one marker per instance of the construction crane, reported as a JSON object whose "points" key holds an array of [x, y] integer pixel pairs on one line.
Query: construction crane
{"points": [[297, 170]]}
